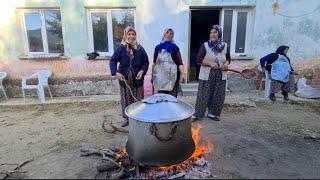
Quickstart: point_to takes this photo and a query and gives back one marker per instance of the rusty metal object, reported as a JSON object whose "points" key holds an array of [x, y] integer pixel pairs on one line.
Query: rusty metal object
{"points": [[246, 73]]}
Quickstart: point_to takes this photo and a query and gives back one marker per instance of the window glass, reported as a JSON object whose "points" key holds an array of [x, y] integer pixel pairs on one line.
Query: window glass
{"points": [[120, 20], [54, 31], [33, 27], [241, 32], [227, 27], [100, 32]]}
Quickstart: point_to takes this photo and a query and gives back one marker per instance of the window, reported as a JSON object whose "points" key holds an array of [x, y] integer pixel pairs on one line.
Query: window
{"points": [[105, 28], [241, 32], [43, 31], [235, 30], [227, 26]]}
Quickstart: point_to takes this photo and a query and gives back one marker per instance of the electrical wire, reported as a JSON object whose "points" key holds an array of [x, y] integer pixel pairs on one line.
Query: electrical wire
{"points": [[301, 15]]}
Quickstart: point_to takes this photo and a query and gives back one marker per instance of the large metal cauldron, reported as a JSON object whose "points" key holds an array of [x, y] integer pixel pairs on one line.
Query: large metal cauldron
{"points": [[160, 131]]}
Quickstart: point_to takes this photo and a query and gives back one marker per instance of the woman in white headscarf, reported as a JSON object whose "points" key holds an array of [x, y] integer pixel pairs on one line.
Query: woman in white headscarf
{"points": [[133, 65]]}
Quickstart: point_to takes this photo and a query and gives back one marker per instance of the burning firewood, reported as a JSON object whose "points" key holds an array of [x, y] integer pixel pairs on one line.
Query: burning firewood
{"points": [[118, 165]]}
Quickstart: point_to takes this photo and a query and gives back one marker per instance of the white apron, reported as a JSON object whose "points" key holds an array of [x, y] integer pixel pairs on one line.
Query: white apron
{"points": [[219, 58], [165, 72]]}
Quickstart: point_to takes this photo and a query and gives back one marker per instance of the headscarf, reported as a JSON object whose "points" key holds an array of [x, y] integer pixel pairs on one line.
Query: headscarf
{"points": [[219, 44], [280, 50], [169, 46], [131, 47]]}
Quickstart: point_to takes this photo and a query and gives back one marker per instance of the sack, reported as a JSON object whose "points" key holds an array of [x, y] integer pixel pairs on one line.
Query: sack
{"points": [[306, 91]]}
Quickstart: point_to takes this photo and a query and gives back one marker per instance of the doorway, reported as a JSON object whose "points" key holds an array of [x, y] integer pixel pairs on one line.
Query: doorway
{"points": [[201, 22]]}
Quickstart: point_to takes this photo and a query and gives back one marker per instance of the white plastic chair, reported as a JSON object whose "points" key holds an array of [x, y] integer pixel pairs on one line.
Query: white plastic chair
{"points": [[2, 76], [42, 84], [267, 82]]}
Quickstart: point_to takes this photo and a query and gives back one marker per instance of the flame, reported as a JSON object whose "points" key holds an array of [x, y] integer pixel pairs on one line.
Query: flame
{"points": [[203, 145], [204, 148]]}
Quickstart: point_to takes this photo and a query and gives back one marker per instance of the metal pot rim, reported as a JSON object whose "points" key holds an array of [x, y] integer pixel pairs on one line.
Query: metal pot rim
{"points": [[185, 116], [163, 120]]}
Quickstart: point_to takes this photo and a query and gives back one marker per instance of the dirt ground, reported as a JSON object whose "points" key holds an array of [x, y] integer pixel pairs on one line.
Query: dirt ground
{"points": [[262, 142]]}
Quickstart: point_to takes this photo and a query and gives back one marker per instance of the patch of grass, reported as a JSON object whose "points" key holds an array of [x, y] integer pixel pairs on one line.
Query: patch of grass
{"points": [[235, 109], [283, 128], [313, 105], [38, 113]]}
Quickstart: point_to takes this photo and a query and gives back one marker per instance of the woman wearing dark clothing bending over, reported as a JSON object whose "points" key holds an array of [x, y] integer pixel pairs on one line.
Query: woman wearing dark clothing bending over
{"points": [[213, 55], [133, 65], [277, 85], [167, 44]]}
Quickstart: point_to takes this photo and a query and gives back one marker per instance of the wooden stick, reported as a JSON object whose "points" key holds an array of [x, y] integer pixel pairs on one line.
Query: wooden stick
{"points": [[114, 128], [119, 128], [18, 167], [105, 129]]}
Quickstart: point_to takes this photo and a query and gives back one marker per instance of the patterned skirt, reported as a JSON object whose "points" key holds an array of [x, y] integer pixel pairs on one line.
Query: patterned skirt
{"points": [[277, 86], [126, 97], [211, 95]]}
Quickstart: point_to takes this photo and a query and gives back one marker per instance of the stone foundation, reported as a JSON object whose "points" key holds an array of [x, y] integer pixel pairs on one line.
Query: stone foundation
{"points": [[83, 86]]}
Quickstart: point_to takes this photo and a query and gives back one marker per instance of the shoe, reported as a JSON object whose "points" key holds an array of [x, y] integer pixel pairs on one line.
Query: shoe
{"points": [[213, 117], [285, 96], [272, 97], [125, 123]]}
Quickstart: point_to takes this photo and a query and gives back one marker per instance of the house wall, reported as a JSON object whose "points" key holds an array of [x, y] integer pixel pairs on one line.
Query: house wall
{"points": [[302, 34]]}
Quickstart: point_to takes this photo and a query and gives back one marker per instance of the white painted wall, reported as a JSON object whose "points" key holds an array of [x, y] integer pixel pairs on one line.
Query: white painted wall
{"points": [[301, 34], [152, 17]]}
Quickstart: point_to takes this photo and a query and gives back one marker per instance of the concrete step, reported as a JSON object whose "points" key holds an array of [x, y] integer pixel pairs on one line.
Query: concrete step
{"points": [[189, 89], [189, 85]]}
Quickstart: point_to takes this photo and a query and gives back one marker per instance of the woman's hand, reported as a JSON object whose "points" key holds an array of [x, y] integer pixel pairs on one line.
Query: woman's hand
{"points": [[119, 76], [214, 65], [225, 66], [183, 78], [140, 74]]}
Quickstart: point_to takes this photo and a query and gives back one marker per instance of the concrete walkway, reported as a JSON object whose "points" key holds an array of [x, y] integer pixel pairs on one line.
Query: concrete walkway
{"points": [[232, 99]]}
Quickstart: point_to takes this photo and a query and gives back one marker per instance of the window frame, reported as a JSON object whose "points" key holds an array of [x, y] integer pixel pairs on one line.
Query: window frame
{"points": [[249, 29], [43, 31], [110, 27]]}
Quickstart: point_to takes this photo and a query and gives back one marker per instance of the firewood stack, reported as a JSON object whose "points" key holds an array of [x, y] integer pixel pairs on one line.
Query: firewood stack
{"points": [[116, 164]]}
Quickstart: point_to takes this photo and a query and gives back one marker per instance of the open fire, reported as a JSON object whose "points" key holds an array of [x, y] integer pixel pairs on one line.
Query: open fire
{"points": [[117, 163], [194, 167]]}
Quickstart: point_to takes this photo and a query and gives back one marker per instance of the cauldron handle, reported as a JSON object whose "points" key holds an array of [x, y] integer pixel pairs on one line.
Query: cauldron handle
{"points": [[153, 131]]}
